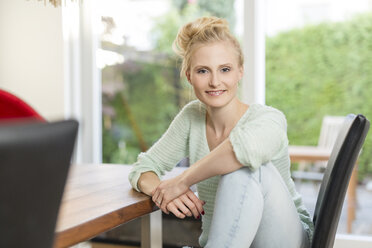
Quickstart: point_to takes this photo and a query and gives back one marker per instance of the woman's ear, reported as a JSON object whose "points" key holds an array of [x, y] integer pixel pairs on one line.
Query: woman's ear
{"points": [[188, 76], [241, 72]]}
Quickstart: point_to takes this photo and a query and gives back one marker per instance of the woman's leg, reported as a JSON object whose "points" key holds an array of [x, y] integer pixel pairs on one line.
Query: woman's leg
{"points": [[254, 209]]}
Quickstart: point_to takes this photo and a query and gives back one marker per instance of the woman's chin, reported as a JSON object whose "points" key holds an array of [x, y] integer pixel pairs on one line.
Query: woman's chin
{"points": [[215, 103]]}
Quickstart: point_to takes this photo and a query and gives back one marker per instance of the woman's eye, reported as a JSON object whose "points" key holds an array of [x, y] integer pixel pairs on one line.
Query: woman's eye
{"points": [[202, 71], [225, 69]]}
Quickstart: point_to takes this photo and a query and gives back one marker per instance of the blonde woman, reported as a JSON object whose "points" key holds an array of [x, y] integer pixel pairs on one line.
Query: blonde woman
{"points": [[238, 153]]}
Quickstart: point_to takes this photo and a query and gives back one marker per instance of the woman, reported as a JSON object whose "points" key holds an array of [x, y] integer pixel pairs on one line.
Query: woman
{"points": [[238, 153]]}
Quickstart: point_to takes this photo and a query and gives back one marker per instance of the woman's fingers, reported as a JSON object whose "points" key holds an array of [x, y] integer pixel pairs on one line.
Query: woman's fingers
{"points": [[196, 201], [157, 198], [155, 195], [172, 208], [169, 190], [190, 205], [187, 204], [182, 207]]}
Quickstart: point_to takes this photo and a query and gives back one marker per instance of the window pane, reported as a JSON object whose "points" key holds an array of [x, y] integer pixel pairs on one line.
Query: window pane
{"points": [[141, 87], [318, 63]]}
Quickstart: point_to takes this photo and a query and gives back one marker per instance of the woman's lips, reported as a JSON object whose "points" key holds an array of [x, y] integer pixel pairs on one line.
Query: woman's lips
{"points": [[215, 92]]}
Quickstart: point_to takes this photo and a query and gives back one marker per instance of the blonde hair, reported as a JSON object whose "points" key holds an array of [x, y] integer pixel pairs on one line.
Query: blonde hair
{"points": [[203, 31]]}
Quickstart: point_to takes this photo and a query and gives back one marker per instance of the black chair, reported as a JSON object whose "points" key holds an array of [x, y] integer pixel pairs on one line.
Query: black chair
{"points": [[336, 179], [34, 164]]}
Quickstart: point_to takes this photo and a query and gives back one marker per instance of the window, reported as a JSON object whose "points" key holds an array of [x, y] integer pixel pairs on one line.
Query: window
{"points": [[318, 63], [141, 86]]}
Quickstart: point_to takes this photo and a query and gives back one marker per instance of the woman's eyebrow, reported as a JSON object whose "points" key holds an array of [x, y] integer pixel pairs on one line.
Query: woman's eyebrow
{"points": [[227, 64], [201, 66], [205, 66]]}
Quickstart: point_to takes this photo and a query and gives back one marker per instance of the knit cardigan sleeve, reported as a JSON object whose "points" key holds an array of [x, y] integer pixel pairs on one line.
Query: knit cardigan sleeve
{"points": [[166, 152], [258, 137]]}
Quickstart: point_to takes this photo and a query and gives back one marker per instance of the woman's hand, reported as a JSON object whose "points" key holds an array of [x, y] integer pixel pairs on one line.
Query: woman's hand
{"points": [[168, 190], [187, 204]]}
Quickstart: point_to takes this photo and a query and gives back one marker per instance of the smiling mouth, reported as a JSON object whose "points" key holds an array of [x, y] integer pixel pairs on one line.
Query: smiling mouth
{"points": [[215, 92]]}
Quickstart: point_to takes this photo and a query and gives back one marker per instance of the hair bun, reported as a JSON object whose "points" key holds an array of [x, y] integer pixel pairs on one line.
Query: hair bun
{"points": [[203, 31], [199, 31]]}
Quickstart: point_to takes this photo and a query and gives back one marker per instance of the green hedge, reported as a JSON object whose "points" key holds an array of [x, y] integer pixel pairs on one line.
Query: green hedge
{"points": [[322, 70], [151, 100]]}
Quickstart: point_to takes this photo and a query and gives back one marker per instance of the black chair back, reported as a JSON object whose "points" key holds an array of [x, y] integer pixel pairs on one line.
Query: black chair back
{"points": [[336, 179], [34, 163]]}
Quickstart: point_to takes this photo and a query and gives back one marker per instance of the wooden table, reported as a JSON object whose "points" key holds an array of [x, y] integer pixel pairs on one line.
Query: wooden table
{"points": [[98, 198], [314, 154]]}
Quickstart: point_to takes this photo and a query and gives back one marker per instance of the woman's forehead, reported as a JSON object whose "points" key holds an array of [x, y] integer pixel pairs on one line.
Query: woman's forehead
{"points": [[213, 54]]}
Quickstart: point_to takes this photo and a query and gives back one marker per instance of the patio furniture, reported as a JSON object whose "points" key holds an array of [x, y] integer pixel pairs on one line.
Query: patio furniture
{"points": [[313, 161], [336, 179], [311, 167]]}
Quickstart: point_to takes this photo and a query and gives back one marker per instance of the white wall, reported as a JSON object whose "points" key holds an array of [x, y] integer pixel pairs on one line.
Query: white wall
{"points": [[31, 54]]}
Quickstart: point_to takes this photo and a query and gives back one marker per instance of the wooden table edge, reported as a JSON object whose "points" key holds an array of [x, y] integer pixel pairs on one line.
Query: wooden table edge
{"points": [[68, 238]]}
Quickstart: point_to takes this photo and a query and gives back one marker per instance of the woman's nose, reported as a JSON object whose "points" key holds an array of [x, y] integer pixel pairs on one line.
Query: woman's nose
{"points": [[214, 81]]}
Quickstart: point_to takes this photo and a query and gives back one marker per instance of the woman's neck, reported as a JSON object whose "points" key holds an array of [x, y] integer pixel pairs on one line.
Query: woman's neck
{"points": [[223, 120]]}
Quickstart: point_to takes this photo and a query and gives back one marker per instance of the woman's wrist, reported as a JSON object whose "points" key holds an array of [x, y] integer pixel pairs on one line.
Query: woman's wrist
{"points": [[147, 182], [186, 177]]}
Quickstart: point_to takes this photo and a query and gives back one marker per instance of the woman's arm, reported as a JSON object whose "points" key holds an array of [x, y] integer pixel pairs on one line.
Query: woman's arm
{"points": [[166, 152], [251, 144], [220, 161], [147, 182], [185, 205]]}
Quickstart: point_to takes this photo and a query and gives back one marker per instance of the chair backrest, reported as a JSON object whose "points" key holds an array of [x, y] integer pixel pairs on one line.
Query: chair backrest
{"points": [[331, 126], [336, 179], [12, 107], [34, 162]]}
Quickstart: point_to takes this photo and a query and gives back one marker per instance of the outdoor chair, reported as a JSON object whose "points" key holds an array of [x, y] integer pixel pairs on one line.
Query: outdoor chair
{"points": [[336, 179], [329, 130]]}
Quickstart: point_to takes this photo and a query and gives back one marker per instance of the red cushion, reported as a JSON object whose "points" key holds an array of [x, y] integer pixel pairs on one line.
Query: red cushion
{"points": [[12, 107]]}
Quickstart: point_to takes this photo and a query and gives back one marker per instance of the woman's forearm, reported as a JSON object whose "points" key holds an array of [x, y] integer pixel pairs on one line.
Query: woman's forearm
{"points": [[220, 161], [147, 182]]}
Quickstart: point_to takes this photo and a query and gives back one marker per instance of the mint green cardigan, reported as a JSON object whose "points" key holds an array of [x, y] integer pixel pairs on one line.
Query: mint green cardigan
{"points": [[259, 136]]}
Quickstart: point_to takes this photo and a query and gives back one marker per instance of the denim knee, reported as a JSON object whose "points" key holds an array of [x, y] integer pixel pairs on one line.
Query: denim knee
{"points": [[260, 176], [244, 174]]}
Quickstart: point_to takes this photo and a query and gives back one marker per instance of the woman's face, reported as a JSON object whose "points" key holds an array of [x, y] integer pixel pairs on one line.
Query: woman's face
{"points": [[214, 73]]}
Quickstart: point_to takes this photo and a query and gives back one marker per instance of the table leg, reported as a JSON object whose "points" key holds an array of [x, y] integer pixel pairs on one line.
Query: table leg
{"points": [[351, 198], [151, 230]]}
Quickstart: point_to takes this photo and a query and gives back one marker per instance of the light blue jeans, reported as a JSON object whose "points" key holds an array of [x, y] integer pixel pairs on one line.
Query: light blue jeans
{"points": [[255, 209]]}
